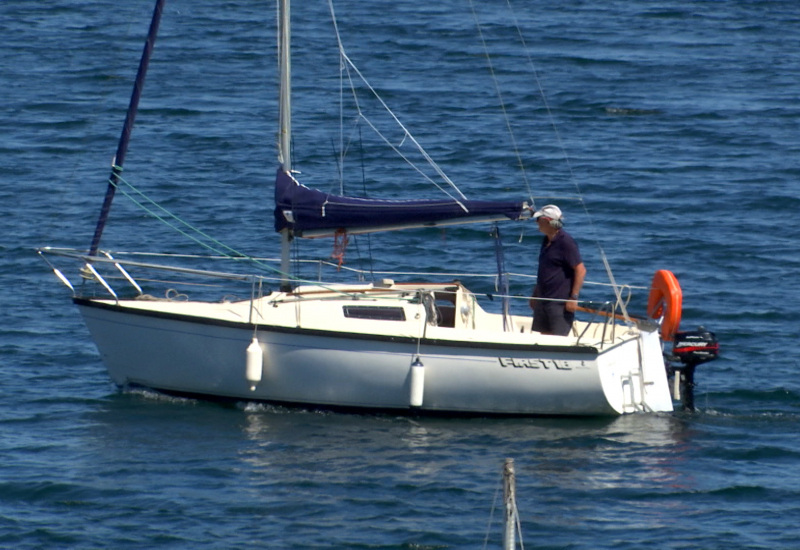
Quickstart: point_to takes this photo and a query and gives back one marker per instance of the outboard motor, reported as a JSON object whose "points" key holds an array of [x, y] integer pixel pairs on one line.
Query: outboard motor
{"points": [[689, 349]]}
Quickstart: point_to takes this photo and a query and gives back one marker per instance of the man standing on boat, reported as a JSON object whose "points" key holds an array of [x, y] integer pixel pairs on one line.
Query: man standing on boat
{"points": [[560, 275]]}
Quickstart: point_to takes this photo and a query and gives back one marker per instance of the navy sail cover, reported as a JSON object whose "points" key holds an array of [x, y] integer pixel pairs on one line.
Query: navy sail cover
{"points": [[312, 213]]}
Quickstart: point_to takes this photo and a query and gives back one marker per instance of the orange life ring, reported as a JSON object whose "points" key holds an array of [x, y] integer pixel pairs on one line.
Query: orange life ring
{"points": [[666, 301]]}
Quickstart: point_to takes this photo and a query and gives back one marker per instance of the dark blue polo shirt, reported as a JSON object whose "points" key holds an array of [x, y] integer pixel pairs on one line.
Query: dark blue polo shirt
{"points": [[556, 266]]}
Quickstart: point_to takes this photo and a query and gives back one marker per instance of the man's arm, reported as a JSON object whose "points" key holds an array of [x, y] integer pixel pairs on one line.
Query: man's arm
{"points": [[577, 284]]}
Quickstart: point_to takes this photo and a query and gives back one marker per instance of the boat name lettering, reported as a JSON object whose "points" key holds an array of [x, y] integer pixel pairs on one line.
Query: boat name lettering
{"points": [[559, 364]]}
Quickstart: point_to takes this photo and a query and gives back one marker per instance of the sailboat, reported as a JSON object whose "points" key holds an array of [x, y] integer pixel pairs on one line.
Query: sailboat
{"points": [[392, 344]]}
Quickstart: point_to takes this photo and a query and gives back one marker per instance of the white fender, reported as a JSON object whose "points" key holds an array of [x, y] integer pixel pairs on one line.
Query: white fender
{"points": [[254, 367], [417, 383]]}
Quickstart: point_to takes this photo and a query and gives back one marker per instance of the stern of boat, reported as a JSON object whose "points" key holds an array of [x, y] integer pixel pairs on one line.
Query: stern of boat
{"points": [[633, 375]]}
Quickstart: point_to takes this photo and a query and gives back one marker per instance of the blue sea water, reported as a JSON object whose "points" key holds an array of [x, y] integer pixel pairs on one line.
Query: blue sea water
{"points": [[677, 147]]}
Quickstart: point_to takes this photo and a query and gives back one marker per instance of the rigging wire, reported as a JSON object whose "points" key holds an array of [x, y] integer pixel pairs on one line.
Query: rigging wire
{"points": [[351, 69], [364, 184], [576, 184], [189, 230], [183, 227], [203, 239], [511, 134]]}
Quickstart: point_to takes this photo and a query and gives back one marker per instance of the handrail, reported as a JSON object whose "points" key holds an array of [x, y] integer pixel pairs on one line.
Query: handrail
{"points": [[67, 253], [92, 273], [596, 309], [125, 274]]}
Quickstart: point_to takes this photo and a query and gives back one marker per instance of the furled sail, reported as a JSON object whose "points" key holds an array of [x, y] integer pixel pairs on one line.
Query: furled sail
{"points": [[311, 213]]}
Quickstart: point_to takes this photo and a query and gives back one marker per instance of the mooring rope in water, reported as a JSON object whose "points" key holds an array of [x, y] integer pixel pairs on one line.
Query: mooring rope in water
{"points": [[491, 514]]}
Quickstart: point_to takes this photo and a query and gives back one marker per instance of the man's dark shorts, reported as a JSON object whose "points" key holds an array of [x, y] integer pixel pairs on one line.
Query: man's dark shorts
{"points": [[552, 318]]}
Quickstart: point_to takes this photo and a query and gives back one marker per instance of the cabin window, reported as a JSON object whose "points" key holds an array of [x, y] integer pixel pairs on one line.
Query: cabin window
{"points": [[378, 313]]}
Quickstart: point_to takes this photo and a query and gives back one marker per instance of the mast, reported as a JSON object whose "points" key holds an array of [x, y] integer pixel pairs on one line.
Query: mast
{"points": [[510, 501], [285, 138], [122, 146]]}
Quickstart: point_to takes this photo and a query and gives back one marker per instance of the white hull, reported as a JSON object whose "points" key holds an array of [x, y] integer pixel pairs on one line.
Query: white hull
{"points": [[315, 355]]}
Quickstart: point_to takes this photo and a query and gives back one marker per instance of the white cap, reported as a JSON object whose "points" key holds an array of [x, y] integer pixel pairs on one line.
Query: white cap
{"points": [[550, 211]]}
